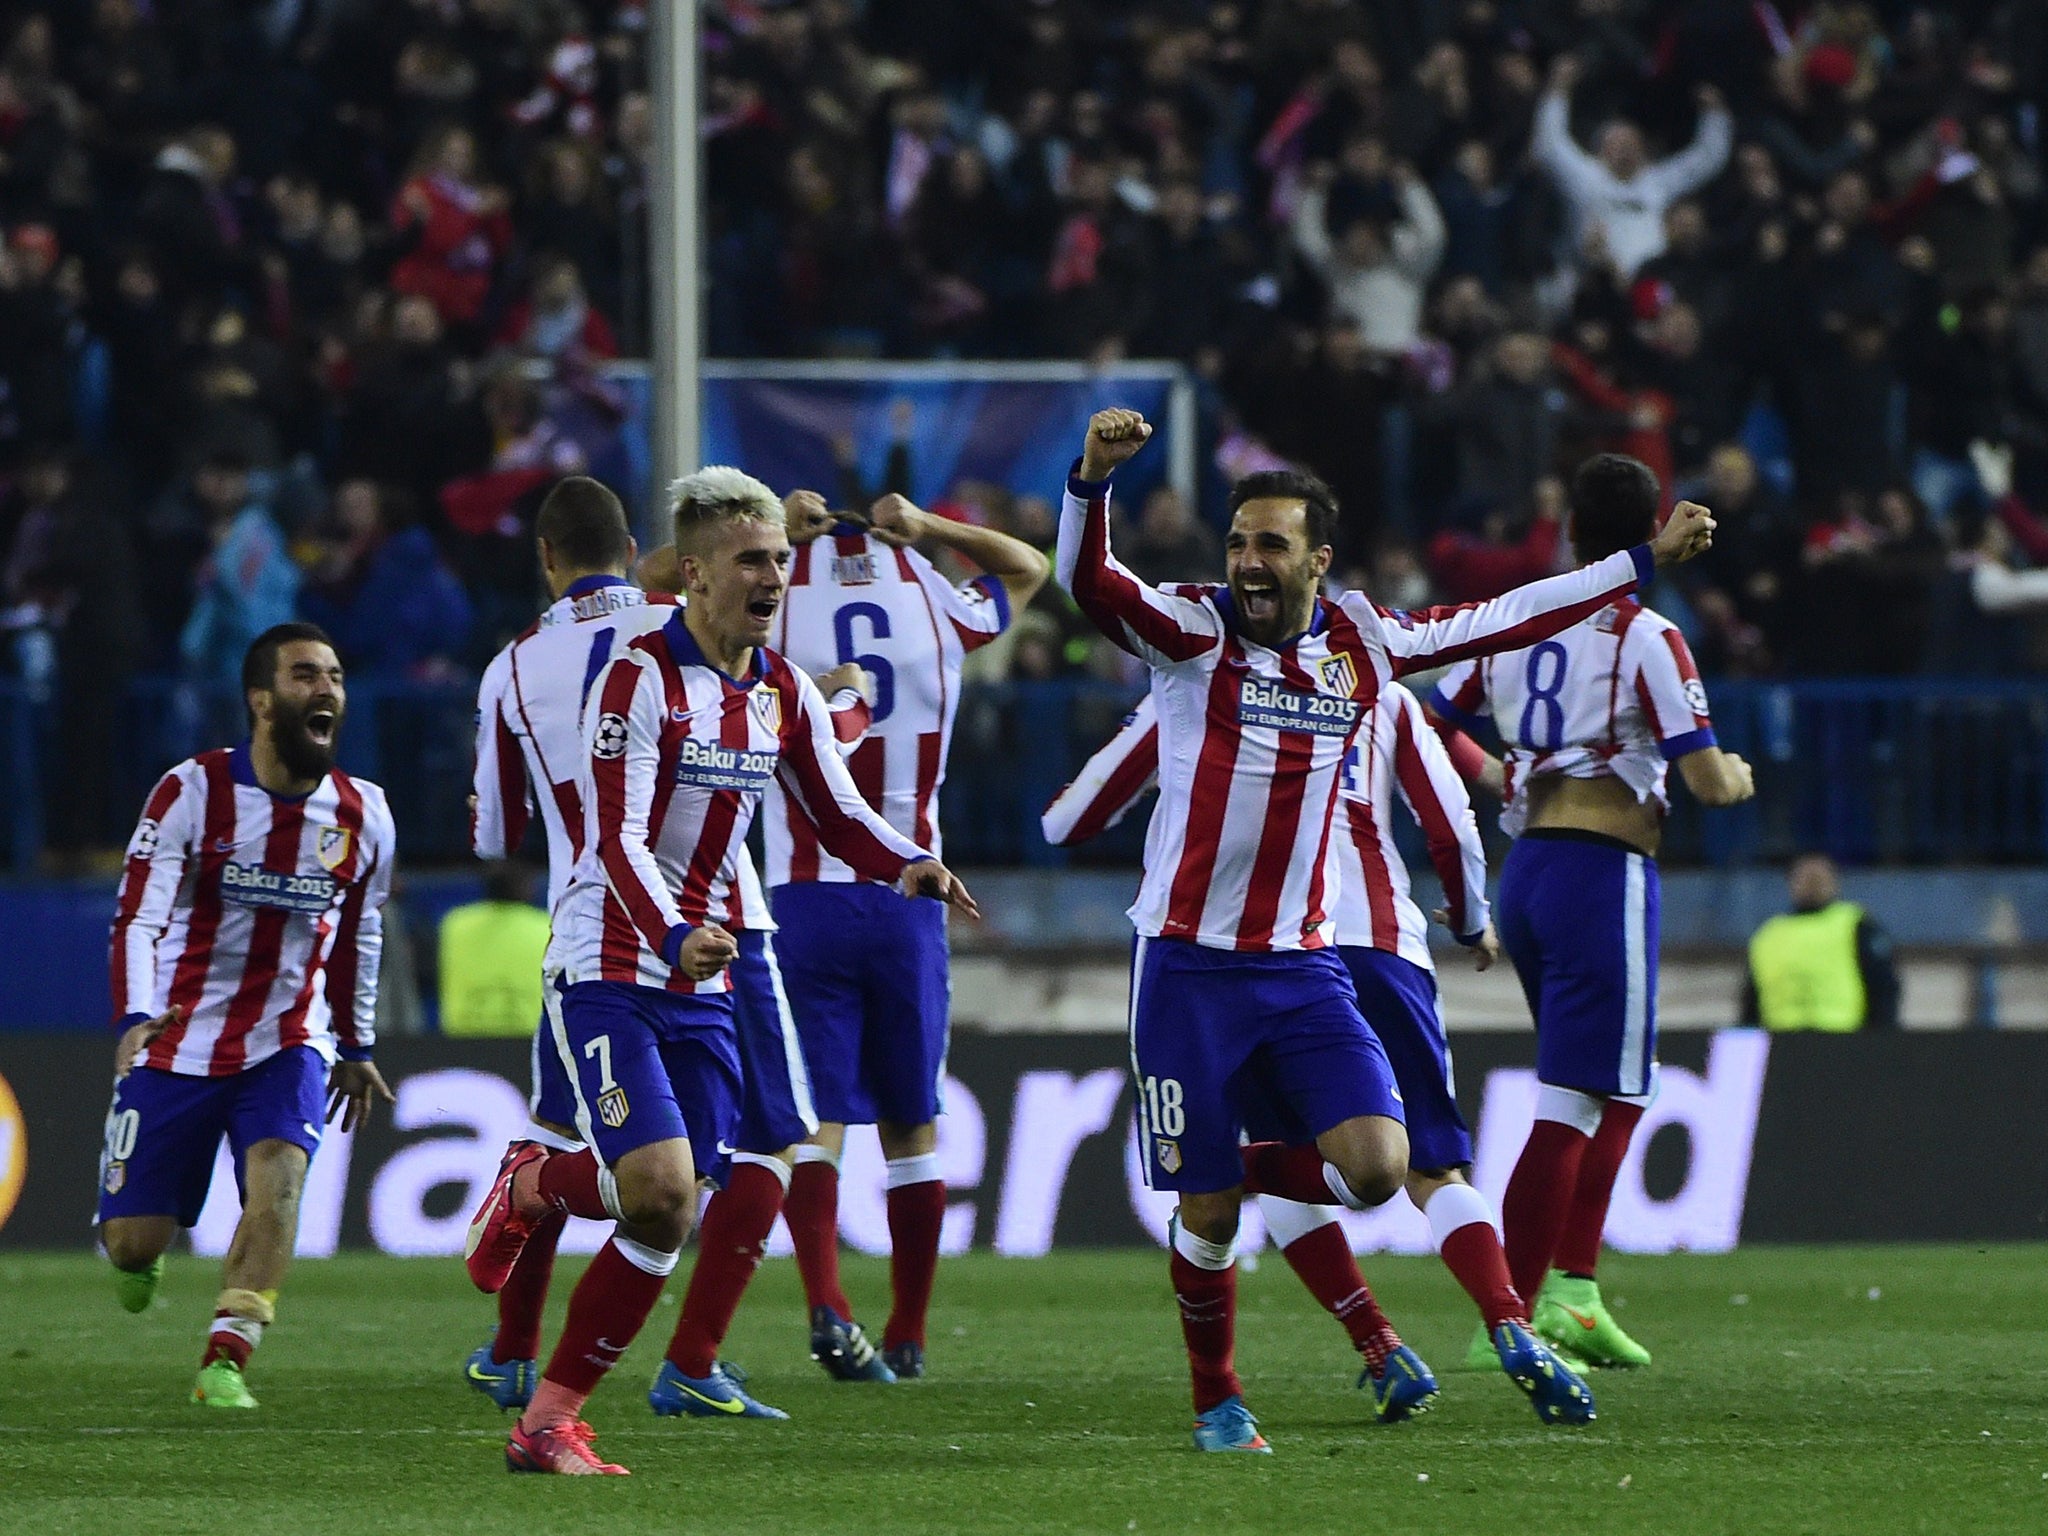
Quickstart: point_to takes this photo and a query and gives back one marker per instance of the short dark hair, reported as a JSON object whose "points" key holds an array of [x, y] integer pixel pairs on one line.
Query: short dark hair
{"points": [[1292, 485], [585, 524], [1614, 500], [259, 662]]}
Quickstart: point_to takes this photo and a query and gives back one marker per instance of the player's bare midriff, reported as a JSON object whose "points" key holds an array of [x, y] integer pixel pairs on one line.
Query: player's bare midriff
{"points": [[1603, 805]]}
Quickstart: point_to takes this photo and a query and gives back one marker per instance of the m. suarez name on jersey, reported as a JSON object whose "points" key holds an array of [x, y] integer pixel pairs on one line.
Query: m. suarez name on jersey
{"points": [[1280, 708], [707, 765], [251, 885]]}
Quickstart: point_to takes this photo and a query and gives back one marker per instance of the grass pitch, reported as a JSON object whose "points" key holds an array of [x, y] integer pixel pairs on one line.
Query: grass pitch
{"points": [[1817, 1390]]}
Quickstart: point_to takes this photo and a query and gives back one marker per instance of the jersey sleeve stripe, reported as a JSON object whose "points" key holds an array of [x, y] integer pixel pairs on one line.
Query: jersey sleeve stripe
{"points": [[133, 951], [1439, 830]]}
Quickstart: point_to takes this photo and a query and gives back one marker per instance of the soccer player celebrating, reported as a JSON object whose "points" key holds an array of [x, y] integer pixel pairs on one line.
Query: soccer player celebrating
{"points": [[685, 728], [1591, 717], [1382, 937], [867, 974], [529, 741], [245, 951], [1261, 686]]}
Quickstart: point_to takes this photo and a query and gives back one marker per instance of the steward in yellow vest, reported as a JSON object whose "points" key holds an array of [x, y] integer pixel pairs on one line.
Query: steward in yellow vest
{"points": [[490, 958], [1824, 965]]}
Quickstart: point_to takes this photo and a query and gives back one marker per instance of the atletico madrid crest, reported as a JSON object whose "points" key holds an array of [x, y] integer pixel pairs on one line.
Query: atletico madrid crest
{"points": [[767, 704], [331, 847], [611, 1107], [1169, 1154], [1338, 675]]}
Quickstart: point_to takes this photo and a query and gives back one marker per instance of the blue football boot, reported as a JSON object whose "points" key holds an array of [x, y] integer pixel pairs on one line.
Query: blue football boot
{"points": [[1229, 1426], [508, 1383], [844, 1351], [1554, 1388], [720, 1395], [1403, 1388]]}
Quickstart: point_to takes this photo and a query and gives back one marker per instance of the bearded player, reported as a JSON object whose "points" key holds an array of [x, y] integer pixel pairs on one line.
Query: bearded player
{"points": [[684, 729], [1236, 990], [1592, 718], [245, 950], [867, 974]]}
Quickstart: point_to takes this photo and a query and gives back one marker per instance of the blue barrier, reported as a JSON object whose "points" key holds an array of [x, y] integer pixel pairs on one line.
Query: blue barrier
{"points": [[1910, 770]]}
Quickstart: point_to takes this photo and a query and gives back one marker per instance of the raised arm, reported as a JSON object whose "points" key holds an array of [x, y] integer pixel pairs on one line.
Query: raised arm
{"points": [[1436, 798], [1157, 628], [501, 799], [1014, 571], [1431, 637], [1109, 783], [1579, 175], [1701, 160]]}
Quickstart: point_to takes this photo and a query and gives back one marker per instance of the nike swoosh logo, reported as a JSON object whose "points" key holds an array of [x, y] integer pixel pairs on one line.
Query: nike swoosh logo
{"points": [[725, 1150], [478, 1374], [733, 1406], [1585, 1322]]}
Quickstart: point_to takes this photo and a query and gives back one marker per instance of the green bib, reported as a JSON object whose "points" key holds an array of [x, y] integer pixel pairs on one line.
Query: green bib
{"points": [[1804, 966]]}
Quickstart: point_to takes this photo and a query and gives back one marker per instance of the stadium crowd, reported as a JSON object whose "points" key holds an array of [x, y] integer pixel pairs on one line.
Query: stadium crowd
{"points": [[301, 301]]}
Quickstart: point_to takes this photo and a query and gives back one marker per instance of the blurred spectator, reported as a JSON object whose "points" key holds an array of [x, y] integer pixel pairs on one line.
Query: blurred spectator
{"points": [[1825, 965], [1168, 543], [1378, 262], [489, 957], [1470, 568], [244, 582], [556, 320], [381, 589], [454, 229], [1618, 189]]}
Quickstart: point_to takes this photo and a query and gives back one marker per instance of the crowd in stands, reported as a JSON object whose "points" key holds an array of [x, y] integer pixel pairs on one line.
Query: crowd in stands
{"points": [[302, 302]]}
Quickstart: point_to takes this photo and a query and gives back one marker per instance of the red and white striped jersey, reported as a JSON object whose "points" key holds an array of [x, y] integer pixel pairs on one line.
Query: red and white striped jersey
{"points": [[1252, 740], [676, 756], [854, 598], [259, 915], [1397, 753], [529, 719], [1614, 697]]}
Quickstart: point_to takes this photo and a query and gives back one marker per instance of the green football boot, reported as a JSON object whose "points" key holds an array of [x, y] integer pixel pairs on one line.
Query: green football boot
{"points": [[1572, 1317], [220, 1385], [136, 1288]]}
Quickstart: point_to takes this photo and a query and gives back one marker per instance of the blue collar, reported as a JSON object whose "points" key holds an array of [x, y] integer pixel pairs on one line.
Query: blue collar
{"points": [[682, 645], [1227, 606], [584, 585], [845, 530], [242, 768]]}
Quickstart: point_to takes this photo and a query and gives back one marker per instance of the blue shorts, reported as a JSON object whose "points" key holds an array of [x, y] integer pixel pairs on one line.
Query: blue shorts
{"points": [[1399, 1001], [775, 1103], [866, 974], [165, 1127], [650, 1066], [1578, 916], [1221, 1040], [552, 1098]]}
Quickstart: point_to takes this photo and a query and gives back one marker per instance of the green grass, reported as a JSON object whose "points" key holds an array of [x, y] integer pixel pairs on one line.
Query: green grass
{"points": [[1822, 1390]]}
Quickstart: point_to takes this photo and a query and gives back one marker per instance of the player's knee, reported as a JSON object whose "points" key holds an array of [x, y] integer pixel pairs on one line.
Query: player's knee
{"points": [[132, 1245], [1376, 1167], [660, 1205], [1213, 1218]]}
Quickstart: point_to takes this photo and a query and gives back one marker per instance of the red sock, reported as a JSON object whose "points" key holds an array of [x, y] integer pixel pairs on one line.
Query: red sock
{"points": [[729, 1249], [1208, 1322], [525, 1293], [1324, 1261], [916, 1213], [223, 1345], [1578, 1246], [568, 1180], [1473, 1254], [1292, 1173], [606, 1311], [1538, 1196], [812, 1211]]}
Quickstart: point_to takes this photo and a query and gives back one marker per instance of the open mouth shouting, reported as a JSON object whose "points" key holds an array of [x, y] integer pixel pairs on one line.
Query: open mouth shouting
{"points": [[762, 610], [322, 722], [1258, 601]]}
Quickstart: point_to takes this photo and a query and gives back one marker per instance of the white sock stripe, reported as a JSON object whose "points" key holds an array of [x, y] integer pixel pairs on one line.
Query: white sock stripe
{"points": [[648, 1260], [1568, 1106], [1202, 1253], [920, 1169], [608, 1192], [808, 1153], [1452, 1208], [247, 1329], [774, 1165], [1345, 1194], [554, 1141], [1289, 1221]]}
